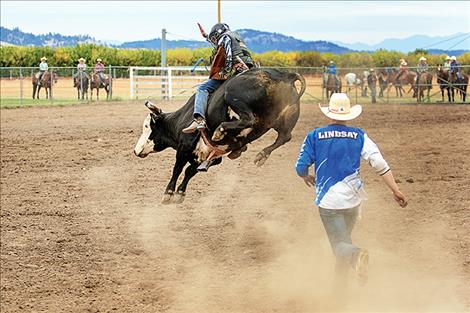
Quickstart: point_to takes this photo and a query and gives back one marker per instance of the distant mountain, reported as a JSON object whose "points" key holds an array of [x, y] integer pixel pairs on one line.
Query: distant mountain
{"points": [[257, 41], [260, 41], [170, 44], [17, 37], [457, 41]]}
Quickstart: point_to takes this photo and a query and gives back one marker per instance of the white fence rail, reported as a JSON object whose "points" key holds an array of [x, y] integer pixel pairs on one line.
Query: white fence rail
{"points": [[166, 82]]}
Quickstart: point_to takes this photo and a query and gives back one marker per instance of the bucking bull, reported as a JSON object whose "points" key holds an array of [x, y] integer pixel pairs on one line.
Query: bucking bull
{"points": [[239, 112]]}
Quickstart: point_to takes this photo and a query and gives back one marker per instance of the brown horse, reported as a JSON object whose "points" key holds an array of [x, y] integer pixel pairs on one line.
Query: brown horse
{"points": [[390, 78], [424, 82], [444, 83], [48, 79], [407, 78], [459, 85], [97, 83], [81, 83], [331, 86]]}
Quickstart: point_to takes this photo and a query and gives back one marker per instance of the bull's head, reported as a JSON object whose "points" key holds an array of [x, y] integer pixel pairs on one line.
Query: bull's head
{"points": [[151, 139]]}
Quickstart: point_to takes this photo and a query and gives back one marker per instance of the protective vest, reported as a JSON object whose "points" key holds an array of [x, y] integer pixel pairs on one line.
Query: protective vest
{"points": [[239, 48]]}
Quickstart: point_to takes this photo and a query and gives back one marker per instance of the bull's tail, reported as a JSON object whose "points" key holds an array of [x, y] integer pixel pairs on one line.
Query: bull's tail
{"points": [[298, 77]]}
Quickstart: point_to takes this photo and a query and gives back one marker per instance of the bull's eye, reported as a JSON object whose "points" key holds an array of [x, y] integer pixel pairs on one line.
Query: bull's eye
{"points": [[146, 126]]}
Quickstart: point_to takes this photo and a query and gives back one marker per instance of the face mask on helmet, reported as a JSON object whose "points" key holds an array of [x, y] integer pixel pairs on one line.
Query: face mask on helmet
{"points": [[217, 31]]}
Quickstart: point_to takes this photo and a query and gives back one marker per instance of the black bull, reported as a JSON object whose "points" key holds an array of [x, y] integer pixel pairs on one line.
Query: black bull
{"points": [[239, 112]]}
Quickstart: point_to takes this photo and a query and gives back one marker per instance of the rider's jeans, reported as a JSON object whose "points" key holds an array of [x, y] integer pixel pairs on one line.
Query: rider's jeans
{"points": [[202, 96]]}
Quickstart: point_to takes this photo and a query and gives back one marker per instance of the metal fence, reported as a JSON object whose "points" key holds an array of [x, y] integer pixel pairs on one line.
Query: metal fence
{"points": [[126, 83], [176, 82], [17, 88]]}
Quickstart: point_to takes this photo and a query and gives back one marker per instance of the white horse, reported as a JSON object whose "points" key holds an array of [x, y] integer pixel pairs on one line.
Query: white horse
{"points": [[357, 80], [352, 80]]}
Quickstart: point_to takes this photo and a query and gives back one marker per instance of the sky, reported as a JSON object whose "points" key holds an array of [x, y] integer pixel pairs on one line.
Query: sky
{"points": [[347, 21]]}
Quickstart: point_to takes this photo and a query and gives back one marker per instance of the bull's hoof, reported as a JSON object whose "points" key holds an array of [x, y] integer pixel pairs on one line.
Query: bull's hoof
{"points": [[237, 153], [261, 158], [166, 199], [179, 197], [219, 134]]}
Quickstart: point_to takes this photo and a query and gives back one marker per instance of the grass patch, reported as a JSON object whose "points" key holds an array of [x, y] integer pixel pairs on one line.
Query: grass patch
{"points": [[11, 103]]}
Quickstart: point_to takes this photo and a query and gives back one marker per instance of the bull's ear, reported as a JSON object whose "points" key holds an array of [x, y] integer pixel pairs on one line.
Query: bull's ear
{"points": [[154, 117], [152, 107]]}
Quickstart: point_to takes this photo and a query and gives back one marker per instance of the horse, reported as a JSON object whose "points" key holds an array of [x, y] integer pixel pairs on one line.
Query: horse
{"points": [[352, 80], [363, 78], [96, 83], [48, 79], [407, 78], [81, 81], [443, 81], [460, 85], [382, 77], [423, 82], [331, 86]]}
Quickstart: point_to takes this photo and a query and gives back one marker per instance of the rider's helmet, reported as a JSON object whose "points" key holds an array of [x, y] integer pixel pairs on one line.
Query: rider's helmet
{"points": [[217, 31], [422, 59], [453, 58]]}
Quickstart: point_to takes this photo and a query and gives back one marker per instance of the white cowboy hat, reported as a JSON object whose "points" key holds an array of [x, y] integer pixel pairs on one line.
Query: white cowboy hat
{"points": [[43, 59], [453, 58], [98, 60], [422, 59], [331, 62], [340, 108], [371, 70], [82, 59], [447, 57]]}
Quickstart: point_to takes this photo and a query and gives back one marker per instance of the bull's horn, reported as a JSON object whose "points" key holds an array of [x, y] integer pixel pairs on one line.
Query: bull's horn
{"points": [[152, 107]]}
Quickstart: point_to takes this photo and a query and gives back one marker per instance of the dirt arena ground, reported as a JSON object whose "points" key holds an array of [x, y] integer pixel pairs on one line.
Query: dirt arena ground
{"points": [[83, 230]]}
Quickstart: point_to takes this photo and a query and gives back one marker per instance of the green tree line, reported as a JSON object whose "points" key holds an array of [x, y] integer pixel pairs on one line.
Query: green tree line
{"points": [[13, 56]]}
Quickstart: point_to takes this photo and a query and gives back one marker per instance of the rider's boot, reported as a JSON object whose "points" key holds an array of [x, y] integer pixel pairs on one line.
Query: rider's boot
{"points": [[199, 123]]}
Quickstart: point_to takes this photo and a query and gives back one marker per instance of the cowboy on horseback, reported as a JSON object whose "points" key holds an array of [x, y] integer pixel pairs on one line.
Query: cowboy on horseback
{"points": [[455, 67], [422, 68], [81, 67], [230, 56], [403, 69], [99, 69], [446, 65], [43, 68], [331, 69]]}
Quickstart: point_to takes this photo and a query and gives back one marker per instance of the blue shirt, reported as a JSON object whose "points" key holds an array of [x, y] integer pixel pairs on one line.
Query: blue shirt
{"points": [[336, 151], [454, 67], [331, 69]]}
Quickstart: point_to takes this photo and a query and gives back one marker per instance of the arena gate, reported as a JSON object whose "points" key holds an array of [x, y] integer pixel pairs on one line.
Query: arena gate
{"points": [[175, 82]]}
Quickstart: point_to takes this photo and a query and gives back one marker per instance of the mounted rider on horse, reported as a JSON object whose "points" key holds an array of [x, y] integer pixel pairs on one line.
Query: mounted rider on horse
{"points": [[81, 79], [99, 70], [43, 68], [330, 69]]}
